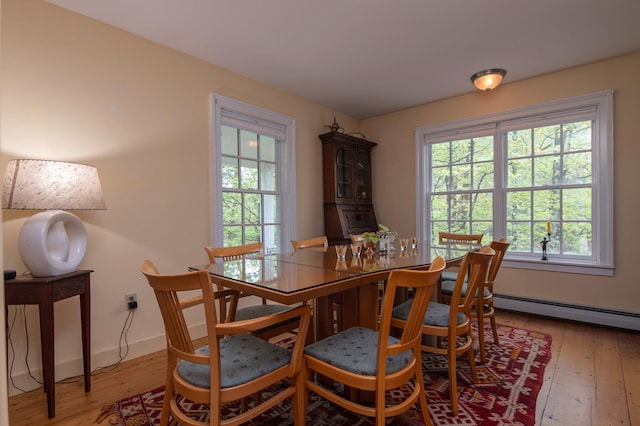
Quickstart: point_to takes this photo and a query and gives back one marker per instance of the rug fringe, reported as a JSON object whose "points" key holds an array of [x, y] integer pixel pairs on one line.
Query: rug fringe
{"points": [[108, 411]]}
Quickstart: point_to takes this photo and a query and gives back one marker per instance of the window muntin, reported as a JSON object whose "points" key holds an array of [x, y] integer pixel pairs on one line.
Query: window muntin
{"points": [[558, 167]]}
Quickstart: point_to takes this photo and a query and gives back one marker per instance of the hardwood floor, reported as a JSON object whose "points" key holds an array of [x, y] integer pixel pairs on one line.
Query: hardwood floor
{"points": [[593, 378]]}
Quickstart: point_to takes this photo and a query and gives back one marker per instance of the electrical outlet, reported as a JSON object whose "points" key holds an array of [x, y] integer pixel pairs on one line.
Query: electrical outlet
{"points": [[131, 301]]}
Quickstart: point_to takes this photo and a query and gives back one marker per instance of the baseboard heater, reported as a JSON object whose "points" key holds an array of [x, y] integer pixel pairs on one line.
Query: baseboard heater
{"points": [[606, 317]]}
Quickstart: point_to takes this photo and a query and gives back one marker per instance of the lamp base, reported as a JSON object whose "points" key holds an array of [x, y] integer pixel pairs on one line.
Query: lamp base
{"points": [[52, 243]]}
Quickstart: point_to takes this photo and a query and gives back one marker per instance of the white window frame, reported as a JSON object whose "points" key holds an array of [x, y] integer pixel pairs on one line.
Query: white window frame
{"points": [[227, 111], [602, 262]]}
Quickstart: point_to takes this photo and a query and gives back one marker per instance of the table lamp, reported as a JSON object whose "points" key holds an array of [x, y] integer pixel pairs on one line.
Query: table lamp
{"points": [[53, 242]]}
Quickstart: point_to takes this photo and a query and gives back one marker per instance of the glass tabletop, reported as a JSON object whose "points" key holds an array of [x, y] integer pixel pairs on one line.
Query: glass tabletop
{"points": [[365, 264], [308, 270], [273, 274]]}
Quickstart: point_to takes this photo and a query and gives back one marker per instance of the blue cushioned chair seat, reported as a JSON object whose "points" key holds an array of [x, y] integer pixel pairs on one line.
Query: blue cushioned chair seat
{"points": [[449, 275], [355, 350], [437, 314], [447, 288], [243, 357], [257, 311]]}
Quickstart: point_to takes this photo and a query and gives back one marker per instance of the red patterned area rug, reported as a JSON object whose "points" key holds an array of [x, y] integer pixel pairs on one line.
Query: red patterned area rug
{"points": [[505, 395]]}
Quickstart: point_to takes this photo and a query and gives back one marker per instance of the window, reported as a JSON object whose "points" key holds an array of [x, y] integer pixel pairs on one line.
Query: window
{"points": [[253, 169], [508, 174], [549, 177], [462, 186]]}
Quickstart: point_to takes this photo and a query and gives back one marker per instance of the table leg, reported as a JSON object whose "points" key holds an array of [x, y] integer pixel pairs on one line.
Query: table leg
{"points": [[368, 304], [323, 317], [48, 351], [350, 308]]}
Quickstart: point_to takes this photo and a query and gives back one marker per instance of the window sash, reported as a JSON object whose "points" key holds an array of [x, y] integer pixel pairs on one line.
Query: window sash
{"points": [[240, 115], [597, 107], [253, 123]]}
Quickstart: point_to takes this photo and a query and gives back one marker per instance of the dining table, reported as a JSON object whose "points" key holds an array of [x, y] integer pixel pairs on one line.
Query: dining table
{"points": [[314, 275]]}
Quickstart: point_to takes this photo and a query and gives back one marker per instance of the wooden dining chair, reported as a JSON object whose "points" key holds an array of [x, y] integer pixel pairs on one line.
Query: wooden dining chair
{"points": [[375, 361], [445, 238], [453, 321], [253, 311], [451, 238], [316, 243], [234, 364], [483, 300]]}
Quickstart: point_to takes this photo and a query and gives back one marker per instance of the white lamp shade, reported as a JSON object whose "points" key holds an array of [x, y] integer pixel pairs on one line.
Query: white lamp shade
{"points": [[48, 185]]}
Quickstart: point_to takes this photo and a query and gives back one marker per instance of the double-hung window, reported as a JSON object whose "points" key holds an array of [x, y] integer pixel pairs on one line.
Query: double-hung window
{"points": [[253, 170], [521, 174]]}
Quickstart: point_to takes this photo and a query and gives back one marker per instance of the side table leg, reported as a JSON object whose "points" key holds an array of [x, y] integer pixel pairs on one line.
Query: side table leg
{"points": [[85, 315], [48, 362]]}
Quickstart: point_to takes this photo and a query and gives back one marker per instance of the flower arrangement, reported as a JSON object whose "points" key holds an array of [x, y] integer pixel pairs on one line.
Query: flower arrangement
{"points": [[374, 237]]}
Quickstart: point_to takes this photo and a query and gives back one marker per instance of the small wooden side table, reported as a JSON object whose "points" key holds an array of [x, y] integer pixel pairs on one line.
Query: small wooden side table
{"points": [[44, 291]]}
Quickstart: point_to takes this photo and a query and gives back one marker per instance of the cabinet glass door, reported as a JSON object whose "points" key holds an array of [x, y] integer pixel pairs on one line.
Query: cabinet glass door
{"points": [[363, 175], [344, 173]]}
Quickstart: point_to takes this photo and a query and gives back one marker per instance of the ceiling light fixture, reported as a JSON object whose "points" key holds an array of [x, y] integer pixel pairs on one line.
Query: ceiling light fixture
{"points": [[488, 79]]}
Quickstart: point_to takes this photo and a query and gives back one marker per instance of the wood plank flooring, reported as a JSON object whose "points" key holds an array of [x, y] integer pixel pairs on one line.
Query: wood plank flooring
{"points": [[593, 378]]}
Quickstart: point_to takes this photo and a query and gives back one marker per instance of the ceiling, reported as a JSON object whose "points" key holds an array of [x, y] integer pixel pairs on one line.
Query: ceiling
{"points": [[370, 57]]}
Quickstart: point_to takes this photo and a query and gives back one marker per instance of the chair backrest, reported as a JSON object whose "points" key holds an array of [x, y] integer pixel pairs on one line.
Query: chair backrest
{"points": [[317, 243], [500, 247], [234, 252], [450, 238], [167, 289], [180, 347], [423, 283], [474, 267]]}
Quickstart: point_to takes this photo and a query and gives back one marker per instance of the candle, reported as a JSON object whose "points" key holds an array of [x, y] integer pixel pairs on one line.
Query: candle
{"points": [[549, 227]]}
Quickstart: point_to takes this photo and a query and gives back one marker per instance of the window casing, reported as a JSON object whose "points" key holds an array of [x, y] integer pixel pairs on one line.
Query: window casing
{"points": [[507, 174], [252, 172]]}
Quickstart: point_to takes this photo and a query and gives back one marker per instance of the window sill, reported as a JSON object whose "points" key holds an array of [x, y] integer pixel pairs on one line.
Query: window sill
{"points": [[559, 266]]}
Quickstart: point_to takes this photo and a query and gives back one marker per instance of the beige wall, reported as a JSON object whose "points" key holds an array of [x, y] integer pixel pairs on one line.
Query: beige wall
{"points": [[4, 409], [394, 179], [76, 89]]}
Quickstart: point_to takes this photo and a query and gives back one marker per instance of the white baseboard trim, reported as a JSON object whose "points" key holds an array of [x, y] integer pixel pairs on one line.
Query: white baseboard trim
{"points": [[74, 367], [605, 317]]}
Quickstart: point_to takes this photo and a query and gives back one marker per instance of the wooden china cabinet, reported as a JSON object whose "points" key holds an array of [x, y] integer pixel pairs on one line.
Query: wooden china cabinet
{"points": [[348, 204]]}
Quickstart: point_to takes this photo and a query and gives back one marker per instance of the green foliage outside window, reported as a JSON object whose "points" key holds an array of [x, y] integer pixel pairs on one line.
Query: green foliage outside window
{"points": [[547, 175], [250, 202]]}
